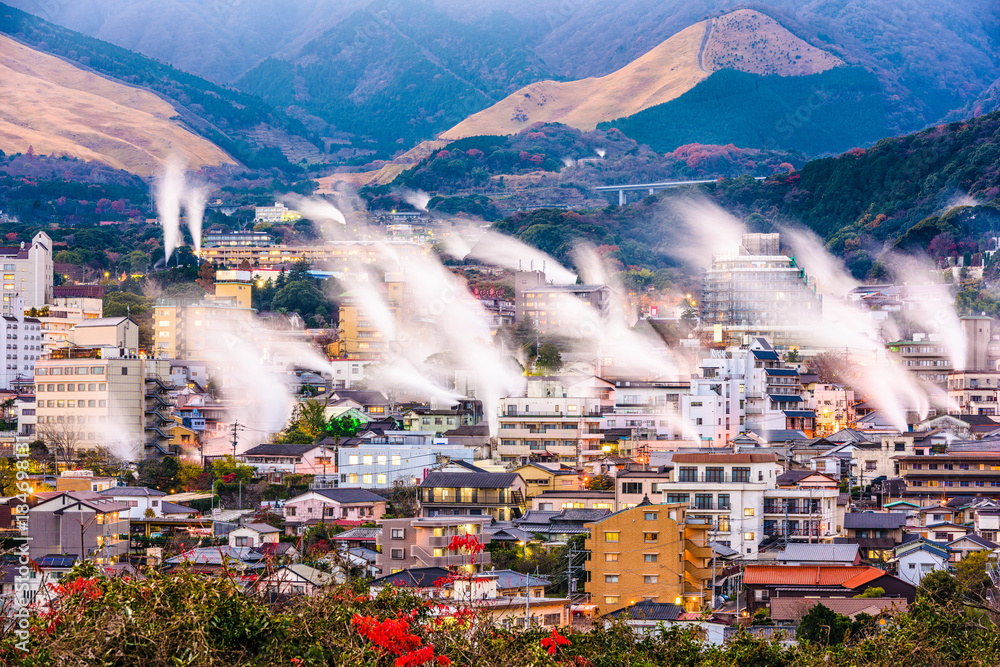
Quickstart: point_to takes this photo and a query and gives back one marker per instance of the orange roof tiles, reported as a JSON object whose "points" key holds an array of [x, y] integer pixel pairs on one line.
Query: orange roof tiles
{"points": [[808, 575]]}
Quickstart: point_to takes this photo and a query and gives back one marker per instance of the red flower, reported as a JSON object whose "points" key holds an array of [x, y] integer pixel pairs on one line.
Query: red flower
{"points": [[554, 641]]}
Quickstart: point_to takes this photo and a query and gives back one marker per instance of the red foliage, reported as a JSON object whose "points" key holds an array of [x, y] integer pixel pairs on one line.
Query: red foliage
{"points": [[554, 641], [393, 636], [474, 152]]}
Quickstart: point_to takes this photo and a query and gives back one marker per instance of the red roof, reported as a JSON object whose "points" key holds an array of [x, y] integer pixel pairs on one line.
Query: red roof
{"points": [[808, 575]]}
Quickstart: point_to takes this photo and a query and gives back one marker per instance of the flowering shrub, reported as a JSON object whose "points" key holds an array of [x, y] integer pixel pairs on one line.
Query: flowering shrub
{"points": [[554, 641]]}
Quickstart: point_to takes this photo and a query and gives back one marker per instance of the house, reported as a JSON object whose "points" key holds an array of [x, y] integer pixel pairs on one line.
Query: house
{"points": [[296, 579], [80, 522], [548, 501], [789, 611], [253, 535], [217, 560], [426, 582], [876, 533], [276, 460], [649, 552], [963, 546], [515, 584], [766, 582], [425, 542], [500, 495], [556, 526], [335, 506], [138, 499], [439, 420], [647, 618], [362, 537], [920, 556], [551, 477]]}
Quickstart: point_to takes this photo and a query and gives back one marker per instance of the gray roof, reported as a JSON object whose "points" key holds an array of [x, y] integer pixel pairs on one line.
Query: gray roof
{"points": [[307, 573], [839, 553], [347, 496], [650, 611], [271, 449], [100, 322], [512, 579], [261, 527], [359, 533], [470, 480], [978, 539], [216, 555], [167, 507], [414, 577], [131, 491], [874, 520]]}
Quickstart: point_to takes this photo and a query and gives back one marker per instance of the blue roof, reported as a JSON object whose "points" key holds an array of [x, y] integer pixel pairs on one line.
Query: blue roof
{"points": [[780, 371], [766, 355], [785, 398], [809, 414]]}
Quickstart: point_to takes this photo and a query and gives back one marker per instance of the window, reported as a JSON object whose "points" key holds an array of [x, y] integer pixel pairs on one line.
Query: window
{"points": [[610, 599], [649, 558], [741, 474], [395, 459], [382, 459], [611, 536], [610, 558], [747, 511], [242, 541], [611, 578], [289, 511], [631, 487], [724, 524], [649, 579], [723, 501], [650, 516], [366, 479], [747, 536], [650, 537], [396, 554], [352, 459], [678, 497], [380, 479], [367, 459], [703, 501], [353, 478]]}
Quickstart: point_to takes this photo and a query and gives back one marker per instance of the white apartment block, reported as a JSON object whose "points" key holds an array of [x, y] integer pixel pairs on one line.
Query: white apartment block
{"points": [[23, 338], [382, 464], [27, 274], [70, 306], [558, 420]]}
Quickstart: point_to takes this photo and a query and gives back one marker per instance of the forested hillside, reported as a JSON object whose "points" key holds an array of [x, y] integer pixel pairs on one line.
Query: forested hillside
{"points": [[828, 112]]}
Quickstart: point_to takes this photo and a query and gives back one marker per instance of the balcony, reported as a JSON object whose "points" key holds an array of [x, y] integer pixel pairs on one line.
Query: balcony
{"points": [[697, 573], [490, 498], [448, 559], [714, 478], [698, 551]]}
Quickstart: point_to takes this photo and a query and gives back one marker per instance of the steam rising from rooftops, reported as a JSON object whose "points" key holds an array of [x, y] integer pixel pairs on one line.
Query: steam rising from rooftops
{"points": [[501, 250], [169, 188], [418, 199]]}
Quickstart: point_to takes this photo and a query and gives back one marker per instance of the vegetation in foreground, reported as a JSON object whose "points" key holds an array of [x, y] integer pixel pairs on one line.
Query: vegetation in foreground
{"points": [[185, 619]]}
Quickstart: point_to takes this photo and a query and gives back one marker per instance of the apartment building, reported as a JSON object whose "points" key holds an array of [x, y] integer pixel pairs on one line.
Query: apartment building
{"points": [[424, 542], [558, 310], [27, 275], [395, 458], [187, 329], [973, 392], [500, 495], [71, 304], [276, 214], [103, 397], [23, 336], [241, 237], [82, 523], [649, 552], [802, 507], [935, 477], [647, 406], [558, 420], [755, 291], [540, 478], [342, 256], [833, 406]]}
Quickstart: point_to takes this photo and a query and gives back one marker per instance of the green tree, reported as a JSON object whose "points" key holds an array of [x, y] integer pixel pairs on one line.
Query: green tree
{"points": [[971, 574], [821, 625], [872, 592], [939, 587], [228, 465], [299, 296], [138, 307], [549, 357]]}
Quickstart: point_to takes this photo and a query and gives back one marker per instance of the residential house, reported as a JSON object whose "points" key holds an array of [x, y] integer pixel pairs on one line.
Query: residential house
{"points": [[278, 460], [253, 535], [551, 526], [295, 579], [425, 542], [217, 560], [819, 554], [333, 506], [918, 557], [140, 500], [539, 478], [963, 546], [767, 582], [579, 499], [788, 612], [391, 458], [79, 522], [500, 495], [875, 533], [649, 552], [649, 618]]}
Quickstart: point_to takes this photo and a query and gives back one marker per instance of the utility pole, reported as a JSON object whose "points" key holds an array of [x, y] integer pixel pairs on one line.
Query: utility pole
{"points": [[236, 427]]}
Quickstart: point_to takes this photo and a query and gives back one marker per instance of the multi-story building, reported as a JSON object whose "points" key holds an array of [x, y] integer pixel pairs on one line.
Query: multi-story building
{"points": [[803, 508], [539, 479], [833, 406], [137, 499], [363, 327], [23, 336], [103, 397], [71, 305], [82, 523], [973, 392], [27, 274], [339, 256], [472, 494], [935, 477], [425, 541], [215, 238], [755, 291], [187, 329], [395, 458], [556, 309], [649, 552], [276, 214], [557, 420], [333, 506]]}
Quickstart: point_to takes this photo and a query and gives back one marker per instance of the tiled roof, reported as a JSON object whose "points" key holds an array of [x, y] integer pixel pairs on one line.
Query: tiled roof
{"points": [[270, 449], [844, 553], [863, 578], [792, 609], [511, 579], [874, 520], [347, 496], [262, 528], [366, 533], [804, 575], [131, 491], [470, 480], [649, 610], [414, 577]]}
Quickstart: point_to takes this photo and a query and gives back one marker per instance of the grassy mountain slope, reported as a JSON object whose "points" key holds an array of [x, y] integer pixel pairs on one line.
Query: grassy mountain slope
{"points": [[821, 113], [59, 109], [396, 73], [744, 40], [224, 116]]}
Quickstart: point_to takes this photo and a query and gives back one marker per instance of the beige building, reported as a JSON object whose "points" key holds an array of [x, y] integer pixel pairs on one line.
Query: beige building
{"points": [[424, 542], [556, 309], [71, 304], [98, 397], [120, 332], [82, 523], [973, 392], [186, 329], [649, 552], [539, 478]]}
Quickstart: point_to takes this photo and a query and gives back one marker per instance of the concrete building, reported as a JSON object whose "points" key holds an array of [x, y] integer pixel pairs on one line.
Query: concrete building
{"points": [[120, 332], [395, 458], [649, 552], [23, 336], [276, 214], [82, 523], [138, 500], [71, 304], [558, 420], [755, 291], [472, 494], [215, 238], [540, 478], [27, 274], [103, 397], [973, 392], [424, 542], [556, 309]]}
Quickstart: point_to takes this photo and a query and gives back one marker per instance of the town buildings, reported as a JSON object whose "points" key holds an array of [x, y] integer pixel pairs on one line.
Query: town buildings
{"points": [[83, 523], [425, 542], [27, 275], [557, 310]]}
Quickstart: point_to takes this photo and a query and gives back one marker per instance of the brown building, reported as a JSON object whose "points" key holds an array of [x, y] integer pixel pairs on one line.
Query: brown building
{"points": [[473, 494], [648, 552], [424, 542], [938, 477]]}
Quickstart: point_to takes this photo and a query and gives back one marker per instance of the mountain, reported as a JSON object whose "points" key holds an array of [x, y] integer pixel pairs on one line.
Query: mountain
{"points": [[240, 124], [396, 73], [218, 40], [57, 108], [744, 40]]}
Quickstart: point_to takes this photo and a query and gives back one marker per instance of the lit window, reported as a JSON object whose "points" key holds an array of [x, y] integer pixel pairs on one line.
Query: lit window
{"points": [[610, 558], [611, 536], [748, 511], [747, 536]]}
